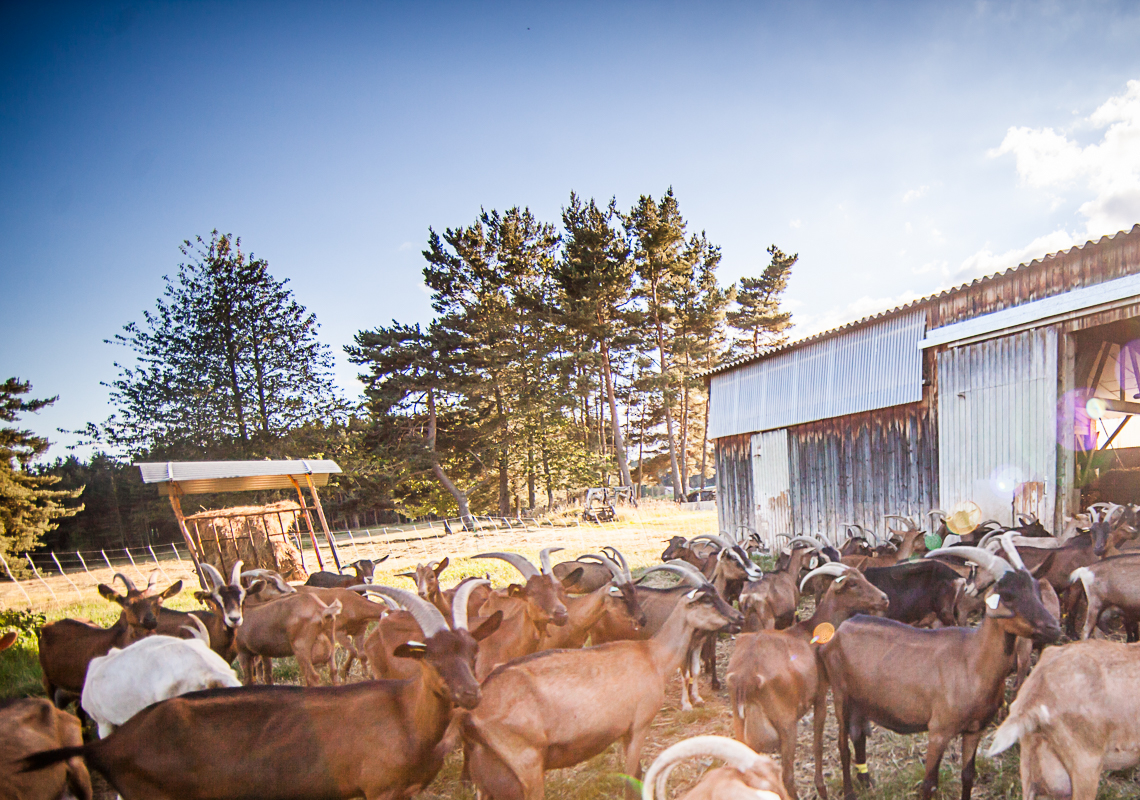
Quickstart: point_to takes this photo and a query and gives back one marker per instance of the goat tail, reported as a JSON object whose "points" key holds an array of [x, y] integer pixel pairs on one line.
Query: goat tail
{"points": [[1085, 576], [46, 758], [1017, 725]]}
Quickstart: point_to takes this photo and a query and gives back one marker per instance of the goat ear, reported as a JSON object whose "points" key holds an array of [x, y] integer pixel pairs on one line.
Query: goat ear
{"points": [[110, 594], [514, 590], [202, 597], [410, 650], [572, 577], [256, 586], [1044, 566], [376, 561], [487, 626], [172, 590], [440, 567]]}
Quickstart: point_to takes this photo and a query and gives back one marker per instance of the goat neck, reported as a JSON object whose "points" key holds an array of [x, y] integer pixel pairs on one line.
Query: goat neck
{"points": [[700, 609]]}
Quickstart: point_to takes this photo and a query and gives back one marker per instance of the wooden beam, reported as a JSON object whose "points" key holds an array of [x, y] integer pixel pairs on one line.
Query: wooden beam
{"points": [[324, 522], [308, 522], [176, 504]]}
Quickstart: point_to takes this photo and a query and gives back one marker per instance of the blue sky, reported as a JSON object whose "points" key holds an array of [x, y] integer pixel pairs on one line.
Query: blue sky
{"points": [[898, 147]]}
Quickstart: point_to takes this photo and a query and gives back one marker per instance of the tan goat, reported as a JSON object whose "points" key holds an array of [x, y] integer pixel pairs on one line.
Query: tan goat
{"points": [[298, 625], [28, 726], [746, 775]]}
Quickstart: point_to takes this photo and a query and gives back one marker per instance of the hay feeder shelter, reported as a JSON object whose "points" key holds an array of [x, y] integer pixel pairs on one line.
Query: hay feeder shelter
{"points": [[258, 535]]}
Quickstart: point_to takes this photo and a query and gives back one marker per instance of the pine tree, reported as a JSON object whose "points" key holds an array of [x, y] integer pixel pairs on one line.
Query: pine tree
{"points": [[758, 315], [226, 365], [28, 509]]}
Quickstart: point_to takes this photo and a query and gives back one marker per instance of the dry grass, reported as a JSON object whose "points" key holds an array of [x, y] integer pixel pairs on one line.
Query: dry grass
{"points": [[896, 761]]}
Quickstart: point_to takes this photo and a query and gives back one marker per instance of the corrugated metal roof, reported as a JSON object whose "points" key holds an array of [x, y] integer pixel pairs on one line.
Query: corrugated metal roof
{"points": [[1034, 313], [199, 477], [975, 284], [877, 366]]}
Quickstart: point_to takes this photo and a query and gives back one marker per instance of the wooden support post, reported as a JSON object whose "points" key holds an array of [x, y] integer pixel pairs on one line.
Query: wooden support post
{"points": [[309, 523], [176, 504], [324, 522]]}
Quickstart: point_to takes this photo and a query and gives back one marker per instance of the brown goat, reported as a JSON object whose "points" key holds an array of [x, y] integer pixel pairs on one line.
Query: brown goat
{"points": [[772, 675], [28, 726], [531, 718], [67, 646], [362, 572], [298, 625], [746, 775], [224, 601], [771, 601], [1111, 583], [586, 610], [426, 577], [949, 681], [1077, 716], [374, 739]]}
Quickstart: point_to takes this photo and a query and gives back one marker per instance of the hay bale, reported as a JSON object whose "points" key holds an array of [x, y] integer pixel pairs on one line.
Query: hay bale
{"points": [[255, 534]]}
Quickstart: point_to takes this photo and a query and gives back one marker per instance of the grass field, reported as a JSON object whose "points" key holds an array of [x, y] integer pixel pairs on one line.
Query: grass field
{"points": [[895, 760]]}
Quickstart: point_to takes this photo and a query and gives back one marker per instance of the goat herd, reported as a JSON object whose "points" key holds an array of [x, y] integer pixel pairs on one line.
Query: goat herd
{"points": [[505, 674]]}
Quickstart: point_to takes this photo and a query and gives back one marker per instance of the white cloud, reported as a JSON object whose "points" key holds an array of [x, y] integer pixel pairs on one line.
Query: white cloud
{"points": [[811, 324], [914, 194], [987, 262], [405, 246], [795, 223], [1109, 169]]}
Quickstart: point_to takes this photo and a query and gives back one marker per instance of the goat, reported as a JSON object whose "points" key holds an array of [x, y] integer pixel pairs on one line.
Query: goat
{"points": [[68, 645], [884, 557], [532, 715], [225, 615], [918, 590], [1076, 716], [123, 682], [373, 739], [356, 614], [771, 602], [298, 625], [28, 726], [772, 675], [527, 610], [426, 577], [362, 573], [1111, 583], [583, 575], [746, 775], [586, 610], [948, 681]]}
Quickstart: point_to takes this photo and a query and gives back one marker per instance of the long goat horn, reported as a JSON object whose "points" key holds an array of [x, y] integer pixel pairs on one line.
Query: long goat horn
{"points": [[616, 555], [715, 539], [735, 754], [214, 576], [515, 560], [152, 581], [690, 576], [983, 558], [425, 614], [235, 573], [1011, 551], [201, 633], [618, 573], [127, 582], [834, 570], [544, 558], [459, 604]]}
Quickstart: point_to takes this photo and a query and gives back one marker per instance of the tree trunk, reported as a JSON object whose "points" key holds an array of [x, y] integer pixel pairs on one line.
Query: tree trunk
{"points": [[678, 488], [530, 473], [705, 443], [504, 458], [231, 363], [619, 440], [437, 469]]}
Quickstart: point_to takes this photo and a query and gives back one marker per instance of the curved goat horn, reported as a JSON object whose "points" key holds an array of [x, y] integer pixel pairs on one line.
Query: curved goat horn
{"points": [[1011, 551], [201, 633], [616, 555], [235, 573], [985, 540], [827, 569], [127, 582], [618, 573], [910, 526], [983, 558], [425, 614], [715, 538], [515, 560], [736, 754], [269, 575], [459, 604], [681, 568], [544, 558], [152, 581], [813, 543], [214, 576]]}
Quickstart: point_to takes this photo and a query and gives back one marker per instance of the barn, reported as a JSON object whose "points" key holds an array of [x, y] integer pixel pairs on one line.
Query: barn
{"points": [[1013, 391]]}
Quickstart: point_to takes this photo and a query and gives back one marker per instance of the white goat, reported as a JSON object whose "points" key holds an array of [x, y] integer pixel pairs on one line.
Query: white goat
{"points": [[124, 682]]}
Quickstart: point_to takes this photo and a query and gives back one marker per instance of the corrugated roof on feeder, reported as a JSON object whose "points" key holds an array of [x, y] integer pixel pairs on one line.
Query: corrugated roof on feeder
{"points": [[177, 478]]}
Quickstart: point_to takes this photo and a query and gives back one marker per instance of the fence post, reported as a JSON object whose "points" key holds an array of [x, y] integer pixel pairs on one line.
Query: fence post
{"points": [[36, 572], [160, 569], [4, 561], [64, 574], [136, 566], [176, 553], [84, 563], [107, 561]]}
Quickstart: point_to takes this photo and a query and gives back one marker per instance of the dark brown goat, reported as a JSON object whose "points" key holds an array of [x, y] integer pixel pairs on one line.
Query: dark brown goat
{"points": [[1111, 583], [772, 675], [949, 681], [362, 571], [771, 602], [67, 646], [224, 601], [373, 739]]}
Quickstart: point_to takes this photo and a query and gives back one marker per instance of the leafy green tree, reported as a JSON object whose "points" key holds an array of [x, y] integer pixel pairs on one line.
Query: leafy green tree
{"points": [[225, 365], [758, 314], [28, 509], [595, 276]]}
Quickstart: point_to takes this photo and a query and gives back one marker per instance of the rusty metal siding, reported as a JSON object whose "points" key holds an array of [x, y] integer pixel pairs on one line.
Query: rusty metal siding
{"points": [[734, 482], [870, 367], [997, 424], [771, 484], [860, 467]]}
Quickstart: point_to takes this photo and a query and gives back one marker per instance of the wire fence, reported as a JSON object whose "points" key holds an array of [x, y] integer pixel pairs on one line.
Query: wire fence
{"points": [[65, 578]]}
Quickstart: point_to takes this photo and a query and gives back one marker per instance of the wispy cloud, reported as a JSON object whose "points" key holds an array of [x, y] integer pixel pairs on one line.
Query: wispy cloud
{"points": [[406, 246], [811, 324], [795, 223], [915, 194], [1110, 168]]}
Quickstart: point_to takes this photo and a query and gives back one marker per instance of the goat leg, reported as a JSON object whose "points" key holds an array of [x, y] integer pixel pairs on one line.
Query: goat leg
{"points": [[788, 756], [841, 716], [969, 753], [935, 747], [860, 728], [633, 742], [708, 656], [818, 719]]}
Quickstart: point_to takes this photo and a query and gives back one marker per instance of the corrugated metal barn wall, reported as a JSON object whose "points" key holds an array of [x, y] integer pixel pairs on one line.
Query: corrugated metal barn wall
{"points": [[734, 482], [860, 467], [997, 409]]}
